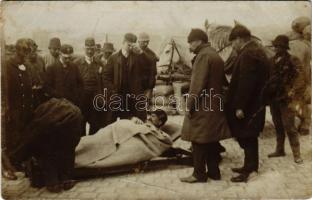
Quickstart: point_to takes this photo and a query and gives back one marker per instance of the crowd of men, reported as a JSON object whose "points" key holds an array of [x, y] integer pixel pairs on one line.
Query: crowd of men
{"points": [[29, 80]]}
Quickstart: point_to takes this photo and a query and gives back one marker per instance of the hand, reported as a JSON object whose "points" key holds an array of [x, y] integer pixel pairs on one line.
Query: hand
{"points": [[136, 49], [137, 120], [239, 114], [148, 93]]}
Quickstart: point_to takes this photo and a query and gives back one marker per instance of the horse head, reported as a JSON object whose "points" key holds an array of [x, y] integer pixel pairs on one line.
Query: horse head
{"points": [[174, 54]]}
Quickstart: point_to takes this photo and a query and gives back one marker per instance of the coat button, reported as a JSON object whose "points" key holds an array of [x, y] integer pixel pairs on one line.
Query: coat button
{"points": [[20, 75], [22, 85]]}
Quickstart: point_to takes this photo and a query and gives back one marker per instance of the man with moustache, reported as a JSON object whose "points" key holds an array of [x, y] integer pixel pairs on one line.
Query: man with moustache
{"points": [[91, 71], [150, 71], [244, 106], [124, 73], [54, 52], [205, 127]]}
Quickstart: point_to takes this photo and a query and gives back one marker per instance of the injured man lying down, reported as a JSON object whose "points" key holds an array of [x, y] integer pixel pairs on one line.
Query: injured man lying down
{"points": [[124, 142]]}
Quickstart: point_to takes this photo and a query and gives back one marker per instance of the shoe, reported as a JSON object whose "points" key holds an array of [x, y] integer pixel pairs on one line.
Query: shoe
{"points": [[69, 184], [276, 154], [239, 170], [214, 177], [298, 160], [55, 188], [240, 178], [192, 179], [304, 131]]}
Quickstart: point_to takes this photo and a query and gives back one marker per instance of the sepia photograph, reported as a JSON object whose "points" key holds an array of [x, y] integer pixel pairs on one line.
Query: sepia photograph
{"points": [[156, 100]]}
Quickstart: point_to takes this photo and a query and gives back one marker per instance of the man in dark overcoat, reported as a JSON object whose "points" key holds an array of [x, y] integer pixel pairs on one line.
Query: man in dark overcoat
{"points": [[17, 105], [244, 106], [91, 70], [150, 70], [124, 73], [63, 79], [205, 122]]}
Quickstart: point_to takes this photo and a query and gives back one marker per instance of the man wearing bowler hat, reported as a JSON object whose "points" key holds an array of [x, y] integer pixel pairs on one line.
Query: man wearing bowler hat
{"points": [[244, 103], [150, 71], [124, 73], [91, 71], [287, 87], [63, 79], [54, 51]]}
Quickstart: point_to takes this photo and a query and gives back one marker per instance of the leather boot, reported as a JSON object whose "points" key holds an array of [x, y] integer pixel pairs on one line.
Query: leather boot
{"points": [[280, 150]]}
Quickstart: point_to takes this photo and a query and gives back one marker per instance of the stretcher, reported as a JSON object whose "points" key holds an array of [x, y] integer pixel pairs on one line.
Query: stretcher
{"points": [[173, 155]]}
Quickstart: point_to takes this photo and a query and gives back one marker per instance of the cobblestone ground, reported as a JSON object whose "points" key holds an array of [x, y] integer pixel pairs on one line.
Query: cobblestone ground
{"points": [[277, 178]]}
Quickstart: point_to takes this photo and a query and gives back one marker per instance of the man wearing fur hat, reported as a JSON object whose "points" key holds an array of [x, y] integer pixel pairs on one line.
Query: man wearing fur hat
{"points": [[205, 126], [287, 86]]}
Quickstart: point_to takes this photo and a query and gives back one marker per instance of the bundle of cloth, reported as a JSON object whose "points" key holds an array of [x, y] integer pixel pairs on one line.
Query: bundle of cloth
{"points": [[123, 143]]}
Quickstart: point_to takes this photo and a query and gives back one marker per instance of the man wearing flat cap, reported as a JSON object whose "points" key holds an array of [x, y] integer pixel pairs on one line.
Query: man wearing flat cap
{"points": [[287, 87], [125, 73], [63, 79], [244, 99], [204, 126], [54, 51], [91, 71], [150, 72]]}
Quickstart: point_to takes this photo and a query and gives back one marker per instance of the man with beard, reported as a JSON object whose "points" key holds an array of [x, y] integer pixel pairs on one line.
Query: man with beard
{"points": [[124, 73], [150, 71], [245, 106], [54, 49], [17, 105], [63, 79], [91, 71], [204, 125], [37, 68]]}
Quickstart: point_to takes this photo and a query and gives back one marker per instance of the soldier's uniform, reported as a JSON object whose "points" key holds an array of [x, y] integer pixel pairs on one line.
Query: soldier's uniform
{"points": [[91, 71], [288, 86]]}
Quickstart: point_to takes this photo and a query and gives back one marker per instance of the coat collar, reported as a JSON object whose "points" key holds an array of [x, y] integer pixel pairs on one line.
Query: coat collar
{"points": [[200, 48]]}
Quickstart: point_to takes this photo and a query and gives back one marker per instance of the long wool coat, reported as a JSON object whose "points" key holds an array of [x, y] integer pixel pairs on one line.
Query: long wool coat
{"points": [[208, 122], [250, 73]]}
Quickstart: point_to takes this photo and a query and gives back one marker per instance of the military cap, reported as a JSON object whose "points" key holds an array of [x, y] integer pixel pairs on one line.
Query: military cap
{"points": [[281, 41], [90, 42], [239, 31], [67, 49], [108, 47], [55, 43], [143, 37], [197, 34], [130, 37]]}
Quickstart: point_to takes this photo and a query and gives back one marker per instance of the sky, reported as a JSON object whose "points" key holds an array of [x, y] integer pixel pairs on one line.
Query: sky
{"points": [[80, 19]]}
